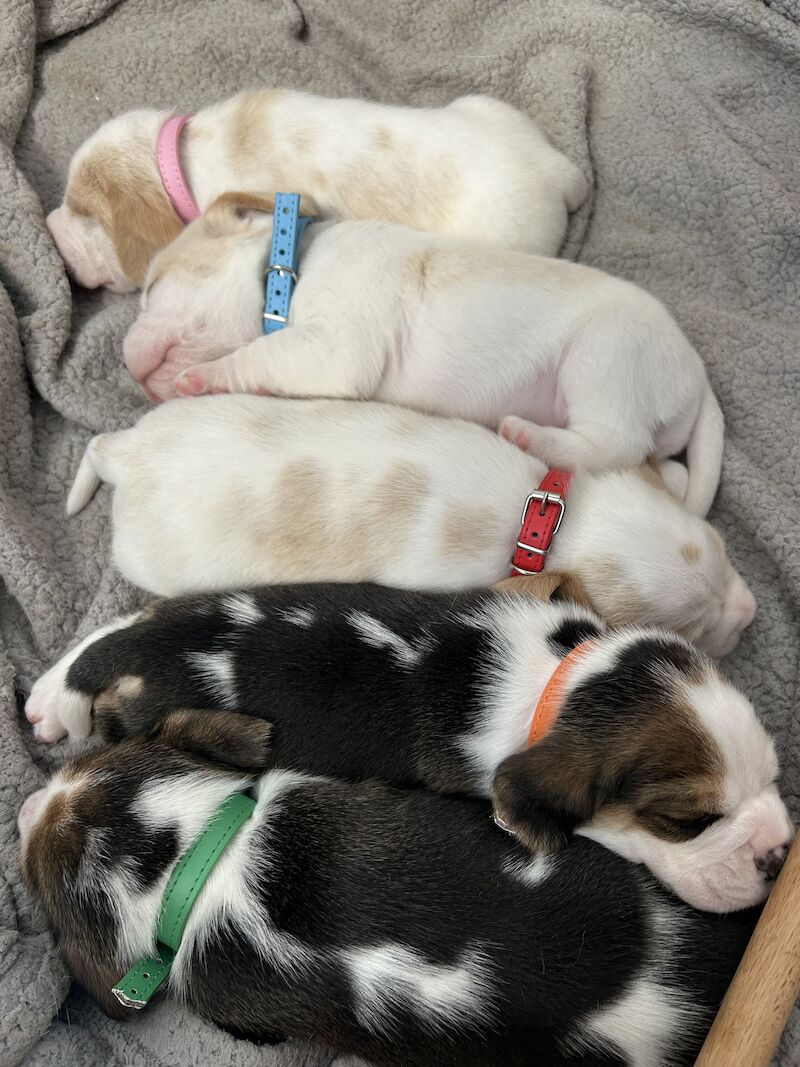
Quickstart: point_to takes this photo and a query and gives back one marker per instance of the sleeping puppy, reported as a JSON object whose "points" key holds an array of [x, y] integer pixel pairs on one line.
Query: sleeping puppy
{"points": [[393, 924], [477, 168], [227, 491], [592, 371], [632, 736]]}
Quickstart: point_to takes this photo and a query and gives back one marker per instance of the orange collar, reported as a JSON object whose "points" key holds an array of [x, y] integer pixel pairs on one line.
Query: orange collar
{"points": [[549, 703]]}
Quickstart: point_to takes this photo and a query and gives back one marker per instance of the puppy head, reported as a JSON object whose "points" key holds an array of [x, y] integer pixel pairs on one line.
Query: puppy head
{"points": [[656, 756], [203, 295], [643, 559], [100, 840], [115, 214]]}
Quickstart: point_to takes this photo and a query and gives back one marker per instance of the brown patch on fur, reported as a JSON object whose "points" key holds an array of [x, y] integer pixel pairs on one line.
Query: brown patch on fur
{"points": [[470, 530], [383, 139], [615, 599], [549, 585], [120, 188], [354, 547], [691, 552]]}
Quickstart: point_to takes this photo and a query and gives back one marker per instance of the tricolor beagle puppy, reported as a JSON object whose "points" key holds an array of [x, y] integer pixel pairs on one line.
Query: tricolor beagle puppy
{"points": [[394, 924], [477, 168], [632, 736], [227, 491], [579, 368]]}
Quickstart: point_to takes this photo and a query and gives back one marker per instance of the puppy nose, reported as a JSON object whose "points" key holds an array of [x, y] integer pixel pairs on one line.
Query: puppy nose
{"points": [[742, 604], [771, 863]]}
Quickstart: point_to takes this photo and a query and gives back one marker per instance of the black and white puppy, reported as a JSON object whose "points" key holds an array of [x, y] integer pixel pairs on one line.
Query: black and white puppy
{"points": [[650, 750], [394, 924]]}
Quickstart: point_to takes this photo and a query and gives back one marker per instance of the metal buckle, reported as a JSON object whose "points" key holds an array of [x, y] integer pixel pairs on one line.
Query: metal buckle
{"points": [[275, 318], [281, 269], [546, 498]]}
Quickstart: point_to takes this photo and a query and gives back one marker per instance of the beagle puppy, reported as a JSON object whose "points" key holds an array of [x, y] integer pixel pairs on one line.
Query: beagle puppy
{"points": [[225, 491], [477, 168], [393, 924], [632, 736], [582, 369]]}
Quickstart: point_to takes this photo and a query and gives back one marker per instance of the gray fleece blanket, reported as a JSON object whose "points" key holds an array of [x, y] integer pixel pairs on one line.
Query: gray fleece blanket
{"points": [[686, 114]]}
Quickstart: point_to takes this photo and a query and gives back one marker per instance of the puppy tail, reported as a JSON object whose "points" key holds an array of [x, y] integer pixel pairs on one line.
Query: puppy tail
{"points": [[704, 455], [87, 481]]}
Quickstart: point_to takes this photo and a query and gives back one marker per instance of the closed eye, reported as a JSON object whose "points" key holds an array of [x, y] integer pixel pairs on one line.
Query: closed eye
{"points": [[695, 826]]}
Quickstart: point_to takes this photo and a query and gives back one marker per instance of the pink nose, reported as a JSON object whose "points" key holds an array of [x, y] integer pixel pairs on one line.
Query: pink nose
{"points": [[741, 604]]}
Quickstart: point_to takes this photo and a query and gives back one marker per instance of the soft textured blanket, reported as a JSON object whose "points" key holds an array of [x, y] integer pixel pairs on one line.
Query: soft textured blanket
{"points": [[686, 113]]}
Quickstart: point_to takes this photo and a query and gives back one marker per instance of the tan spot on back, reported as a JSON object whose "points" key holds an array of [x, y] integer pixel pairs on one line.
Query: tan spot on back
{"points": [[383, 139], [691, 552], [470, 530], [307, 541]]}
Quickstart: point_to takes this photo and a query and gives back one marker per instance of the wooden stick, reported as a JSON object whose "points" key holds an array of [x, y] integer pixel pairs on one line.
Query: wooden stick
{"points": [[766, 985]]}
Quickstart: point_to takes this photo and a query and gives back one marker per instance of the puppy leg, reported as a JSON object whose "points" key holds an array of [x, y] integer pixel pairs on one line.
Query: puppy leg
{"points": [[299, 361], [589, 446], [675, 477], [56, 707]]}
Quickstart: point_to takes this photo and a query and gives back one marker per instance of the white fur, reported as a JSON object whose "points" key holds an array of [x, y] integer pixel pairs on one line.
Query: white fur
{"points": [[242, 609], [532, 872], [594, 370], [477, 168], [302, 617], [392, 977], [651, 1016], [375, 633], [217, 673], [56, 710], [184, 523], [523, 664]]}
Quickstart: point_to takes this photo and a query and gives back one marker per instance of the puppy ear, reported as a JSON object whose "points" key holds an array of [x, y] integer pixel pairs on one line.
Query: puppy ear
{"points": [[220, 737], [549, 585], [542, 795], [250, 205], [141, 225]]}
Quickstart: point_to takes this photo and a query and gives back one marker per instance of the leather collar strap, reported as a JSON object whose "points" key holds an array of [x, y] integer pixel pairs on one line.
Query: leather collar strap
{"points": [[135, 988], [541, 517], [549, 703], [287, 226], [168, 159]]}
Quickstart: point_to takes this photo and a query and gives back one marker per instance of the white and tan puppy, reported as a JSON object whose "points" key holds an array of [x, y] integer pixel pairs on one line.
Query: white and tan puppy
{"points": [[221, 492], [594, 372], [476, 168]]}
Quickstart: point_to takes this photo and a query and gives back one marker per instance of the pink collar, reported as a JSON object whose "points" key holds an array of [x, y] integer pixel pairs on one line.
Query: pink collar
{"points": [[169, 167]]}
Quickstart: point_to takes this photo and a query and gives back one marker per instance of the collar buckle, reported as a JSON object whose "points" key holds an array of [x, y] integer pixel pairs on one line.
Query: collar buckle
{"points": [[539, 525]]}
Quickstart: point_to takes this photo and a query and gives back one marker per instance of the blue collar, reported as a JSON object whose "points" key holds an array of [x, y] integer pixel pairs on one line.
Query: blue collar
{"points": [[282, 270]]}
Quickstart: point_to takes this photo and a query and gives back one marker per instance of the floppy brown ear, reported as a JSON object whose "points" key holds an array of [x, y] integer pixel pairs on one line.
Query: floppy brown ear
{"points": [[142, 223], [549, 585], [241, 205], [220, 737], [543, 794]]}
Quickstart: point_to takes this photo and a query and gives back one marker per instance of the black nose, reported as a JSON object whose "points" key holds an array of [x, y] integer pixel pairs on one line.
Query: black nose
{"points": [[771, 864]]}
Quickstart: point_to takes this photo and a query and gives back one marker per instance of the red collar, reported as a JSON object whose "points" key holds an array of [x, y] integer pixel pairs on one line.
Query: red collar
{"points": [[541, 517]]}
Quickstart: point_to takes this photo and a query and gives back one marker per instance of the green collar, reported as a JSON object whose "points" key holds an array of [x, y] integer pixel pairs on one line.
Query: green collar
{"points": [[136, 987]]}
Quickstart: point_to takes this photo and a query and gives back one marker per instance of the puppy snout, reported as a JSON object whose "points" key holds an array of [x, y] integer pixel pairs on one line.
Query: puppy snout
{"points": [[771, 862], [741, 604]]}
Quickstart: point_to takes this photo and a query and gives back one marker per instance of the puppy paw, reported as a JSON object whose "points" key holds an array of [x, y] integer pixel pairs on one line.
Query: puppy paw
{"points": [[197, 382], [55, 710], [516, 431], [675, 477]]}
